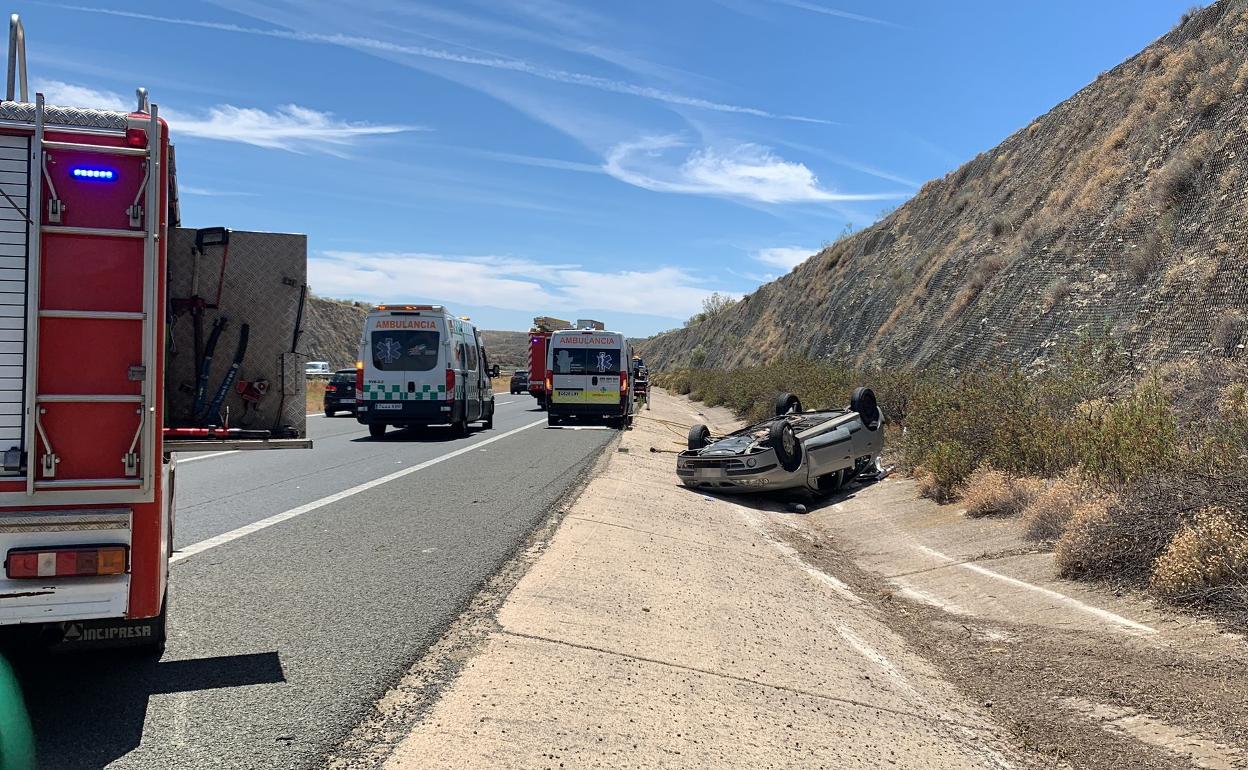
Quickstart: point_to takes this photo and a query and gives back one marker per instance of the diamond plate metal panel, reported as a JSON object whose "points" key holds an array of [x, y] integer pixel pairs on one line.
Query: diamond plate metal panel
{"points": [[24, 112], [264, 276]]}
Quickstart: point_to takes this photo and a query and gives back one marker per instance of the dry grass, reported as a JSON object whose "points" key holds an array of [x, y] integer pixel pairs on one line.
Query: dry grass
{"points": [[1057, 293], [314, 394], [1050, 511], [1082, 549], [989, 492], [1207, 554]]}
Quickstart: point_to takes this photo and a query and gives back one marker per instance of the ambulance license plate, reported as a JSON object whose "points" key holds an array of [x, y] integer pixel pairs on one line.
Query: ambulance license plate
{"points": [[347, 401], [390, 405]]}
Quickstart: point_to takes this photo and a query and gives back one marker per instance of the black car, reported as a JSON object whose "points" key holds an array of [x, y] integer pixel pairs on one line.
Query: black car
{"points": [[340, 393], [520, 381]]}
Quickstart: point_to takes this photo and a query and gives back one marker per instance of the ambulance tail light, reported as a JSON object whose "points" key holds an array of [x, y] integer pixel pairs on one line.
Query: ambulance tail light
{"points": [[623, 382], [550, 381], [450, 384], [66, 561], [359, 379]]}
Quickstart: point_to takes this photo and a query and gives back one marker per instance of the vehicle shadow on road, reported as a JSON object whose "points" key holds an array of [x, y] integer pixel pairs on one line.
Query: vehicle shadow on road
{"points": [[796, 501], [88, 709], [438, 434]]}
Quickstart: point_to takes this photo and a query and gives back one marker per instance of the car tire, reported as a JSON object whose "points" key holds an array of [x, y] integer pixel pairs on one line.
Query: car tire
{"points": [[863, 402], [699, 436], [552, 420], [784, 442], [330, 413], [460, 427], [377, 429], [489, 417], [787, 403]]}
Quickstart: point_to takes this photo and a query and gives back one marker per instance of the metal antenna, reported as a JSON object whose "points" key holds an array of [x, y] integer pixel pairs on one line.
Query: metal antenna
{"points": [[17, 57]]}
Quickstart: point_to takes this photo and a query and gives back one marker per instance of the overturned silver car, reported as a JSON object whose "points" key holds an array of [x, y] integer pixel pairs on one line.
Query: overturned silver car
{"points": [[819, 451]]}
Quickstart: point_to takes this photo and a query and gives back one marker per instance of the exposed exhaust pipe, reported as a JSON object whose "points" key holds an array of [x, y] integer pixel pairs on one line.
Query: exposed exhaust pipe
{"points": [[17, 58]]}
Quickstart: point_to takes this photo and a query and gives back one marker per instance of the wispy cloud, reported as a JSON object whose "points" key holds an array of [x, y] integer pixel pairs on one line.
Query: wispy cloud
{"points": [[826, 11], [208, 192], [854, 165], [786, 257], [507, 283], [532, 160], [289, 127], [744, 171], [521, 66]]}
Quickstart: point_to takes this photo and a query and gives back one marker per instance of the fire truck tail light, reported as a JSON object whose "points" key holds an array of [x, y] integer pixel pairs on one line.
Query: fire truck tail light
{"points": [[75, 561], [136, 137]]}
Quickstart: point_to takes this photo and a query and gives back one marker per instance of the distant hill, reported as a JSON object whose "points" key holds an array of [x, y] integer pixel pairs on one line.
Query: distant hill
{"points": [[1123, 213], [510, 350], [331, 332]]}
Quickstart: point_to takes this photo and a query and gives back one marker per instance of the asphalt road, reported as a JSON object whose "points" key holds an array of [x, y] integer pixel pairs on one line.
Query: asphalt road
{"points": [[283, 637]]}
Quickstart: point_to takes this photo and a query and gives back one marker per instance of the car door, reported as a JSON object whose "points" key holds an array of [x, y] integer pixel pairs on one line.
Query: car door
{"points": [[567, 374], [828, 447]]}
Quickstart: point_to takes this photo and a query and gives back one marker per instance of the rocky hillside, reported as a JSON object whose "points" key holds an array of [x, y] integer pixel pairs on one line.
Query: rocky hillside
{"points": [[1123, 212], [331, 332]]}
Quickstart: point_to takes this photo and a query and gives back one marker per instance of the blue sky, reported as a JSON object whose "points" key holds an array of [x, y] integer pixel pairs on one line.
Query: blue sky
{"points": [[617, 160]]}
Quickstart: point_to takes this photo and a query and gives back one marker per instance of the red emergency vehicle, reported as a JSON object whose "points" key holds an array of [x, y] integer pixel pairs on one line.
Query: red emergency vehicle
{"points": [[539, 338], [87, 483]]}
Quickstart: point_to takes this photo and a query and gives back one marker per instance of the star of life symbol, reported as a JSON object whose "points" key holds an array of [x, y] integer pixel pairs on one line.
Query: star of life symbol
{"points": [[604, 362], [389, 351]]}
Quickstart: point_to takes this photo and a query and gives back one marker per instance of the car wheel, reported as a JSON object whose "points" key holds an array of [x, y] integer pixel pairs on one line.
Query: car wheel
{"points": [[553, 420], [699, 436], [489, 417], [784, 441], [377, 429], [460, 427], [787, 403], [330, 413], [863, 402]]}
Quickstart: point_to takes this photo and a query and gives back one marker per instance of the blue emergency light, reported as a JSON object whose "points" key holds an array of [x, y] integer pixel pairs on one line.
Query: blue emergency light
{"points": [[97, 174]]}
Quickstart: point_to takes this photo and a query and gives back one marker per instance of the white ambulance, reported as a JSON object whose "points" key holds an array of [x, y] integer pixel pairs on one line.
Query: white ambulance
{"points": [[419, 365], [587, 377]]}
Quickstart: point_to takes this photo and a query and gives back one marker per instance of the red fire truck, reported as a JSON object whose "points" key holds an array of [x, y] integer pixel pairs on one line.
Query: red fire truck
{"points": [[87, 215], [539, 337]]}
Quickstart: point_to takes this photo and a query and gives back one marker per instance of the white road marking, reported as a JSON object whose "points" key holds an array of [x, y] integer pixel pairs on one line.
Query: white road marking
{"points": [[1070, 601], [881, 660], [581, 427], [923, 597], [208, 456], [278, 518], [503, 403]]}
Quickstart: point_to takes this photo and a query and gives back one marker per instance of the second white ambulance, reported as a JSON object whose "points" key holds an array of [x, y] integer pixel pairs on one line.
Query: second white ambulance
{"points": [[419, 365], [587, 377]]}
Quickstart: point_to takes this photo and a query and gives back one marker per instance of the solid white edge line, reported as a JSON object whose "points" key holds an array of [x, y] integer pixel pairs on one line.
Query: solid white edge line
{"points": [[209, 456], [278, 518], [1105, 615]]}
